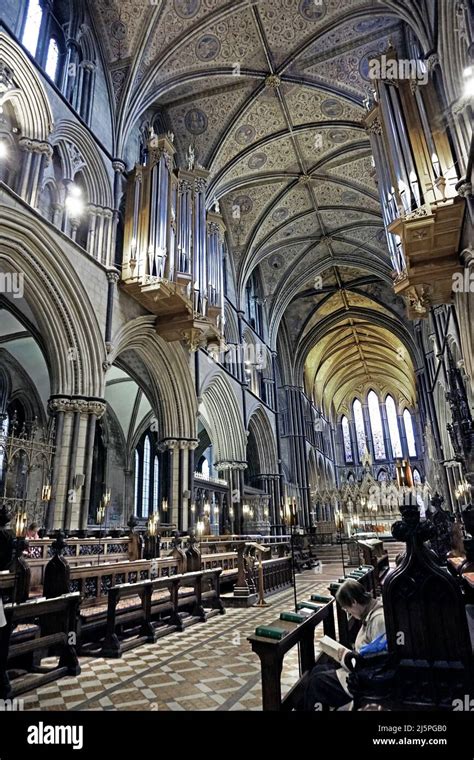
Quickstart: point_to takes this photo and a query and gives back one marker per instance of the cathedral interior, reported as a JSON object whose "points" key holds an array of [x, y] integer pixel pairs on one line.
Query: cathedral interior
{"points": [[236, 347]]}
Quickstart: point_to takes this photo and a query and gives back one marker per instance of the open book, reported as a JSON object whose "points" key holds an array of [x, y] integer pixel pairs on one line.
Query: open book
{"points": [[337, 651]]}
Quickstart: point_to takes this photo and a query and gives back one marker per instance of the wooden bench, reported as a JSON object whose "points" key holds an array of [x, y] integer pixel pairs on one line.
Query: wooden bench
{"points": [[374, 554], [228, 561], [78, 551], [93, 582], [51, 626], [272, 651], [433, 659], [141, 603]]}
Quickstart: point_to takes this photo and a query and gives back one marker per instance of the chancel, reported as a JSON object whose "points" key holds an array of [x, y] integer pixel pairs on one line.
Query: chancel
{"points": [[236, 355]]}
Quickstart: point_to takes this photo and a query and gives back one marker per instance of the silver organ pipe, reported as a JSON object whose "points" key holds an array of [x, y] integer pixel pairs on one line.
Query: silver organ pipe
{"points": [[173, 244]]}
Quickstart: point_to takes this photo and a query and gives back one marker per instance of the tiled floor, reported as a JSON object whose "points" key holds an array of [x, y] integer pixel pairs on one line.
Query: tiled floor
{"points": [[206, 667]]}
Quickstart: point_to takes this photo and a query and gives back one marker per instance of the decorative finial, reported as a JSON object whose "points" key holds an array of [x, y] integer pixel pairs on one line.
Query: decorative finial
{"points": [[191, 158]]}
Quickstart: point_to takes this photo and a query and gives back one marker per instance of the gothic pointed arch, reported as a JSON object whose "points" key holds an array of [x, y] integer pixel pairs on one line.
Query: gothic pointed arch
{"points": [[261, 429], [60, 304], [79, 154], [220, 409], [168, 379], [25, 91]]}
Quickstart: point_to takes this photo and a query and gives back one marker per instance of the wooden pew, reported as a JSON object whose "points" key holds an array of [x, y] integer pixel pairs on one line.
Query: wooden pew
{"points": [[228, 561], [78, 551], [93, 582], [54, 624], [272, 651], [374, 554], [164, 597], [434, 657]]}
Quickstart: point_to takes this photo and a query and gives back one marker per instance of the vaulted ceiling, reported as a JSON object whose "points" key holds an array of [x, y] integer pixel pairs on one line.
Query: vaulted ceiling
{"points": [[271, 95]]}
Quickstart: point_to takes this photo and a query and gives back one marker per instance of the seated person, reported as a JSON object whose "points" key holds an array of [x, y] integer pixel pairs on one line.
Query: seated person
{"points": [[32, 531], [327, 684]]}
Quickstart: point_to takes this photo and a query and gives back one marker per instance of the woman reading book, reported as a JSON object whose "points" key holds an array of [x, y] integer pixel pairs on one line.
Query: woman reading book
{"points": [[327, 684]]}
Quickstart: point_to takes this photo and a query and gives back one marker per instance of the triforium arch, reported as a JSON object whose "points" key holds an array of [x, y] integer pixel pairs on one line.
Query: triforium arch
{"points": [[170, 387], [59, 303], [25, 92], [221, 410]]}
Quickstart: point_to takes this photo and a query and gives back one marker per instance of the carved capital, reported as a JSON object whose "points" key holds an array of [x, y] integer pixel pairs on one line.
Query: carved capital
{"points": [[36, 146], [200, 185], [431, 61], [76, 404], [118, 165], [112, 275], [88, 65], [464, 189], [375, 127]]}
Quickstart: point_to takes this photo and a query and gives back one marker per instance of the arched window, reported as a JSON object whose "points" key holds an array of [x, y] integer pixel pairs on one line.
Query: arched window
{"points": [[347, 440], [393, 428], [360, 429], [52, 59], [376, 425], [146, 478], [416, 477], [32, 26], [409, 433], [205, 468], [156, 484], [137, 478]]}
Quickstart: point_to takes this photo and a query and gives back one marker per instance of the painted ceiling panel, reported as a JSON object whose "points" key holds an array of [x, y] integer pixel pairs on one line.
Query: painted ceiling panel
{"points": [[289, 23], [248, 121], [307, 105], [232, 42]]}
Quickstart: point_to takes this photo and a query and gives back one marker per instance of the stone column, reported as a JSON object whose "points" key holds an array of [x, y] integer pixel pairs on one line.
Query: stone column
{"points": [[386, 431], [95, 412], [90, 245], [38, 154], [112, 279], [119, 169], [72, 458]]}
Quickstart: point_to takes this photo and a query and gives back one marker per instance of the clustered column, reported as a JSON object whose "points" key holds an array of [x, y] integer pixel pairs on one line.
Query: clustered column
{"points": [[76, 419]]}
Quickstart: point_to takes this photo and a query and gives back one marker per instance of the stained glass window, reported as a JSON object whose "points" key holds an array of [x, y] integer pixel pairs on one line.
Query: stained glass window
{"points": [[205, 468], [347, 440], [32, 26], [393, 428], [52, 59], [376, 425], [137, 475], [156, 472], [146, 478], [409, 433], [416, 477], [360, 429]]}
